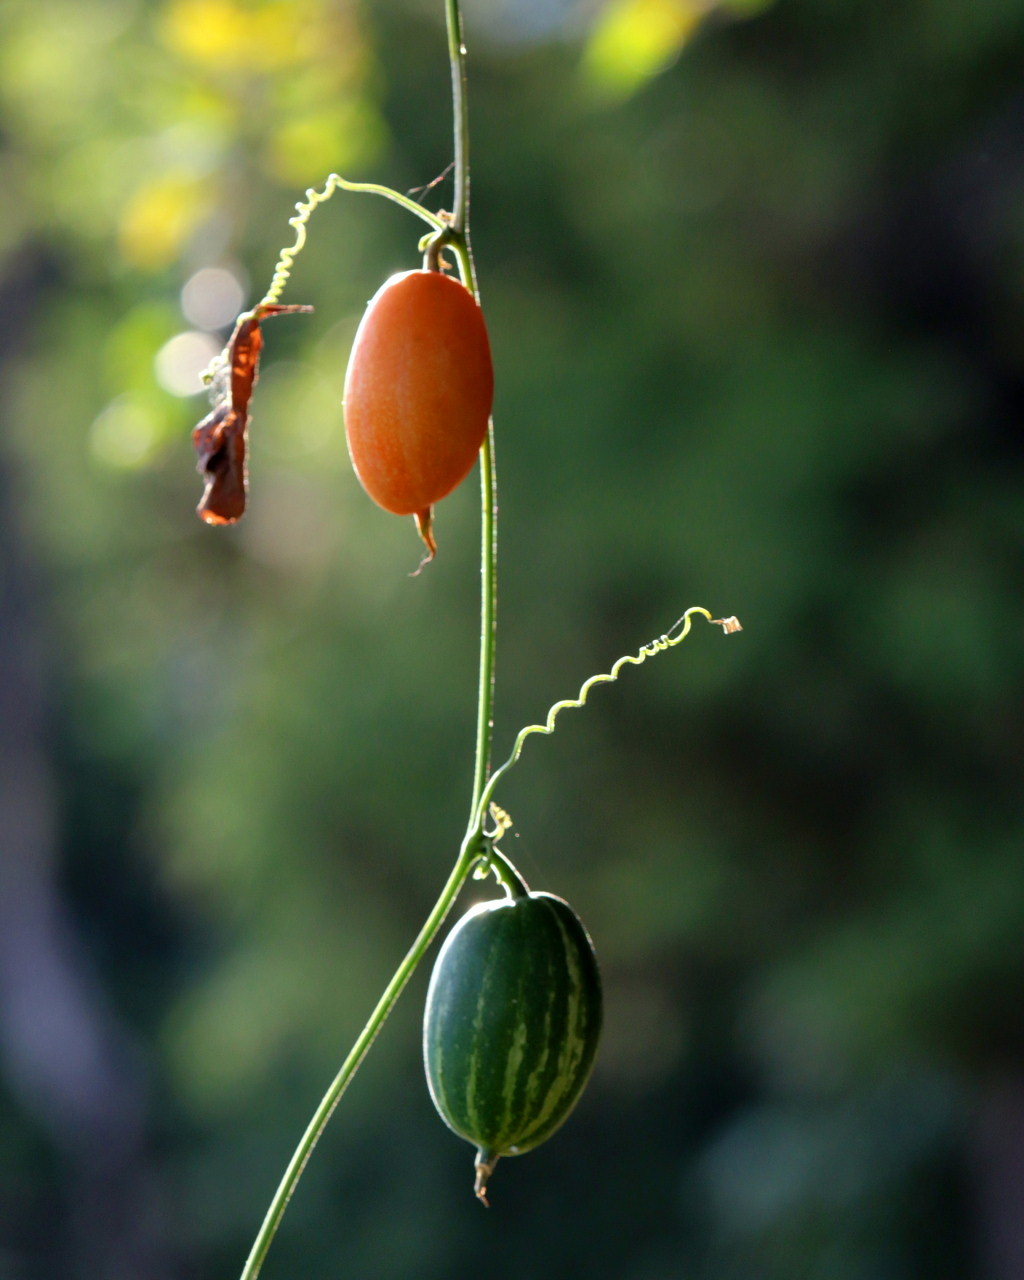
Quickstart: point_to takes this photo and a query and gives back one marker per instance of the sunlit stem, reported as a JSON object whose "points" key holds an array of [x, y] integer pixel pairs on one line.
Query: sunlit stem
{"points": [[457, 59], [488, 581], [470, 854], [459, 239], [476, 847]]}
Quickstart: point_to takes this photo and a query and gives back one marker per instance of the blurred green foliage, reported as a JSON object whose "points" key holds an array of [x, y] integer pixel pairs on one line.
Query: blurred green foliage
{"points": [[754, 282]]}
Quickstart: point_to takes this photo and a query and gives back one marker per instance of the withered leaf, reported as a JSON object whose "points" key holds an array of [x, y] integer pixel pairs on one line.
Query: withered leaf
{"points": [[220, 445], [221, 438]]}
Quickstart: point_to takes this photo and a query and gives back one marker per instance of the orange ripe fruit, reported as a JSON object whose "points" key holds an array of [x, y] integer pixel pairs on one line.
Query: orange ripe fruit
{"points": [[418, 391]]}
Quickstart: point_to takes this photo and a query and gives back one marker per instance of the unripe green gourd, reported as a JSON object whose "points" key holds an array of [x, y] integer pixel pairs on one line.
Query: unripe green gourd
{"points": [[511, 1027]]}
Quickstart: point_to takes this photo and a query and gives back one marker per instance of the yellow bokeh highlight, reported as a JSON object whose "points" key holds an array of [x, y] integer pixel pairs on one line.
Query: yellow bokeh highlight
{"points": [[251, 37], [635, 39], [339, 136], [159, 218]]}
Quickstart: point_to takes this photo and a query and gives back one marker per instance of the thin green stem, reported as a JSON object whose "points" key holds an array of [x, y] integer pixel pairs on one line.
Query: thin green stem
{"points": [[475, 846], [471, 852], [396, 197], [462, 246], [488, 625], [457, 59], [488, 585]]}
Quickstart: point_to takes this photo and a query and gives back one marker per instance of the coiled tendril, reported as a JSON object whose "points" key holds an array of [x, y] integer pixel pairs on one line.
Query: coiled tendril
{"points": [[673, 636], [304, 211]]}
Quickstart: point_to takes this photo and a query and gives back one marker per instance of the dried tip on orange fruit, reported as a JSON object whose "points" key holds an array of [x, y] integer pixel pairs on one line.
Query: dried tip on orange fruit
{"points": [[425, 528], [418, 392]]}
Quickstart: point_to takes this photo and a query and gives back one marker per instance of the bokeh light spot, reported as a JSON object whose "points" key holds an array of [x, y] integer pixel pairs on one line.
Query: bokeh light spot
{"points": [[344, 135], [635, 39], [180, 362], [212, 298], [232, 36], [160, 217]]}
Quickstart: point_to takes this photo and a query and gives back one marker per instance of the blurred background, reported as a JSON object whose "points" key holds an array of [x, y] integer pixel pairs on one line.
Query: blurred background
{"points": [[754, 276]]}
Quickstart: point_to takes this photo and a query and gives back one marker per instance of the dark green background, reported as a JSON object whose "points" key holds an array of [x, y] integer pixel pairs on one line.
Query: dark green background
{"points": [[756, 318]]}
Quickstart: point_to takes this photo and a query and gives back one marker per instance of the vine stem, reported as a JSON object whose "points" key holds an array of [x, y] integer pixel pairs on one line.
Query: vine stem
{"points": [[471, 852], [457, 234], [475, 845], [457, 61]]}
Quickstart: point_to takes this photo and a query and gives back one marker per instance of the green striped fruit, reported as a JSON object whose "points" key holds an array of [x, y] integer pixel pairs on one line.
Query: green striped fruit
{"points": [[511, 1027]]}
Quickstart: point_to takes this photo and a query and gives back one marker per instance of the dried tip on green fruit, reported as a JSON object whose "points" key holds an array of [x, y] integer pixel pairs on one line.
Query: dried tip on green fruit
{"points": [[484, 1167]]}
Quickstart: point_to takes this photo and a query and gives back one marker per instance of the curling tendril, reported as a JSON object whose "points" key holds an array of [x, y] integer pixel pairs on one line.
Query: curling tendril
{"points": [[304, 211], [673, 636]]}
